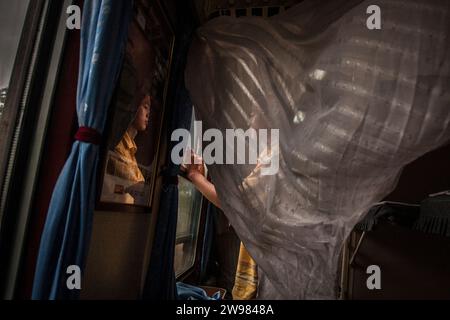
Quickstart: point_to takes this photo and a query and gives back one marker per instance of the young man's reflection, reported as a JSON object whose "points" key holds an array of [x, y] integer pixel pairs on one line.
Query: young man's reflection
{"points": [[124, 161]]}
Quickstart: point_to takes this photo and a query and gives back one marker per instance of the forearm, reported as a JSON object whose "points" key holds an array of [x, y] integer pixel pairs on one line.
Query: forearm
{"points": [[206, 188]]}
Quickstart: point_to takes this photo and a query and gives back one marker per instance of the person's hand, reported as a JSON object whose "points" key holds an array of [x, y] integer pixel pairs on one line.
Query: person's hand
{"points": [[196, 174], [196, 167]]}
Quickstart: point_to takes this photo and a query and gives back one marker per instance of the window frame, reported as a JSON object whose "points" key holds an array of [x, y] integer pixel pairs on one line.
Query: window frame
{"points": [[21, 71], [24, 122]]}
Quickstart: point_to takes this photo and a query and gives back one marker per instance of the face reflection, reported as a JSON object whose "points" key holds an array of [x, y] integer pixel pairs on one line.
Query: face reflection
{"points": [[142, 116]]}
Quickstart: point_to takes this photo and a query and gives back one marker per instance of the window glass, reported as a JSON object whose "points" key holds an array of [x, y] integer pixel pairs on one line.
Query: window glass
{"points": [[189, 209], [12, 19], [189, 212]]}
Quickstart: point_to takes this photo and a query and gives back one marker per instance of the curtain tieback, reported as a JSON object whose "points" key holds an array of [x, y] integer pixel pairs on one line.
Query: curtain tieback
{"points": [[89, 135]]}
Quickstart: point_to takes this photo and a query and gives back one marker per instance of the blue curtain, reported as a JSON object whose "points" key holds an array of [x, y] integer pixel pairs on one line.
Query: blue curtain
{"points": [[69, 220], [207, 241], [160, 281]]}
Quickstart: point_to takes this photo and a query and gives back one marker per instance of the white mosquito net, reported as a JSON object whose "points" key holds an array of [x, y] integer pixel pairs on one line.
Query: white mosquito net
{"points": [[353, 106]]}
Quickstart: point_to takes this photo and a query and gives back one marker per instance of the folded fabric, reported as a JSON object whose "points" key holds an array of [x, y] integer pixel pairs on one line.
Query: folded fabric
{"points": [[189, 292]]}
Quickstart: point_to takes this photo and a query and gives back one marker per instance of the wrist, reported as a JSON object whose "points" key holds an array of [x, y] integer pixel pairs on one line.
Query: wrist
{"points": [[195, 175]]}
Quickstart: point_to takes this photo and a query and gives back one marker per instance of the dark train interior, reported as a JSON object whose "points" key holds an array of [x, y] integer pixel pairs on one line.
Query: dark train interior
{"points": [[145, 229]]}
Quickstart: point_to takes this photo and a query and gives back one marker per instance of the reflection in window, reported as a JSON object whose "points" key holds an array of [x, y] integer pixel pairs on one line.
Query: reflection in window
{"points": [[12, 19], [137, 107], [127, 179]]}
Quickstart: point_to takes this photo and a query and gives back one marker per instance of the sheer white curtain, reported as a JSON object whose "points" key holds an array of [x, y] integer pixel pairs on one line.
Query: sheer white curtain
{"points": [[353, 106]]}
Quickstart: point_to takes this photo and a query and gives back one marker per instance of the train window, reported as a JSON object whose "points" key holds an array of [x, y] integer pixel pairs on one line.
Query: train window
{"points": [[189, 213], [189, 209], [12, 19]]}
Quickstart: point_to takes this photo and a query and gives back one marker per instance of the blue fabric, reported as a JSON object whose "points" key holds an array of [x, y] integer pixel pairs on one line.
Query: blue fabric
{"points": [[207, 241], [68, 226], [160, 281], [188, 292]]}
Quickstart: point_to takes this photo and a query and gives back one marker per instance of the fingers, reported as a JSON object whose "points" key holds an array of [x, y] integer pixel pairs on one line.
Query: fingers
{"points": [[197, 160], [194, 158]]}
